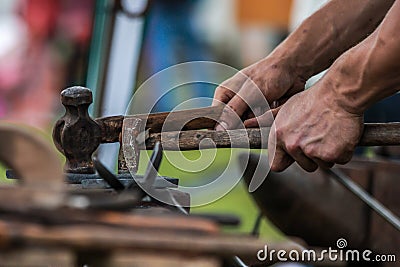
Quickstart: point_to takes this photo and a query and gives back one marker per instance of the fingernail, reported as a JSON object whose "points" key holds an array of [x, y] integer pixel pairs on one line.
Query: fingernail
{"points": [[222, 126]]}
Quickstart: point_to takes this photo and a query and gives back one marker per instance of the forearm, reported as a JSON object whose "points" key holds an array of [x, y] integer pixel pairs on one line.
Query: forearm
{"points": [[333, 29], [369, 72]]}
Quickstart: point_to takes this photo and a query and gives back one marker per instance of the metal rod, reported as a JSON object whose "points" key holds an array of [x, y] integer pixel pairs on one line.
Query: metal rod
{"points": [[108, 176], [373, 203], [257, 224]]}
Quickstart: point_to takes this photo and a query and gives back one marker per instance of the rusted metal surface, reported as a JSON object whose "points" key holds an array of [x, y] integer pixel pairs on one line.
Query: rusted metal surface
{"points": [[381, 134], [202, 118], [131, 129], [122, 167], [375, 134], [194, 140], [111, 128], [94, 181], [76, 135]]}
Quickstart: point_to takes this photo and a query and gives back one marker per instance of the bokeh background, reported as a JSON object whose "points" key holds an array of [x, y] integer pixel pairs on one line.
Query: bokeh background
{"points": [[113, 46]]}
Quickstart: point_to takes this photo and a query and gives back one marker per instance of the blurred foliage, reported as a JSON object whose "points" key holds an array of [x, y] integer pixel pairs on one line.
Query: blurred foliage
{"points": [[2, 173]]}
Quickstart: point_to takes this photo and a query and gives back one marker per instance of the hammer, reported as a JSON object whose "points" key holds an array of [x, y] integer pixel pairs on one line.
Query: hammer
{"points": [[77, 135]]}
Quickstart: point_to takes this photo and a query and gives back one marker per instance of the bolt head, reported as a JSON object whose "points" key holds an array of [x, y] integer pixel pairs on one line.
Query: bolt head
{"points": [[76, 95]]}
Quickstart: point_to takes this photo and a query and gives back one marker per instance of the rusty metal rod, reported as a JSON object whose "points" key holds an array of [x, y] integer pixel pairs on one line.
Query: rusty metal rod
{"points": [[375, 134], [374, 204]]}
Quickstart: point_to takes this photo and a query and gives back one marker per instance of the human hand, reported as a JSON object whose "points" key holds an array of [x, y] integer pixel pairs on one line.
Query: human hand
{"points": [[314, 129], [249, 92]]}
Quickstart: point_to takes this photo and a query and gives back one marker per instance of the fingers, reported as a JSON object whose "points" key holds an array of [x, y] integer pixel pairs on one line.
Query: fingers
{"points": [[283, 153], [265, 120], [279, 160], [323, 164], [282, 157], [304, 162], [227, 93], [249, 97], [231, 115], [228, 89]]}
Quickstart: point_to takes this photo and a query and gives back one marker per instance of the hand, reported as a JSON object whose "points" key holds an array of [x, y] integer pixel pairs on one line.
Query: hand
{"points": [[271, 79], [313, 129]]}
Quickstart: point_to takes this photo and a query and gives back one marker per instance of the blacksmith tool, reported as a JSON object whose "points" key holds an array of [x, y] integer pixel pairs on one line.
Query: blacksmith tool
{"points": [[39, 227], [131, 195], [77, 136], [148, 183], [108, 176]]}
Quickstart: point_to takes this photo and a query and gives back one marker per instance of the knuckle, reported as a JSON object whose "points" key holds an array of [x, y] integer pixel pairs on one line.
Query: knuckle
{"points": [[229, 85], [279, 132], [250, 71], [276, 167], [330, 155], [310, 151], [292, 147], [259, 83], [345, 157]]}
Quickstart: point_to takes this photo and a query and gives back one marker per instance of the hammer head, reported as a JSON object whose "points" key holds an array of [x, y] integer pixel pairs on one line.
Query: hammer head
{"points": [[76, 135], [76, 96]]}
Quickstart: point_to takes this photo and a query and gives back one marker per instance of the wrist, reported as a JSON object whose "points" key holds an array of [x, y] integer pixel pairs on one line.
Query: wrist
{"points": [[345, 89], [357, 81], [288, 56]]}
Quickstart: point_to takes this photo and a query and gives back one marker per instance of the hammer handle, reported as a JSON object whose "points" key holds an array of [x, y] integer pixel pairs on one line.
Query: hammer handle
{"points": [[375, 134]]}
